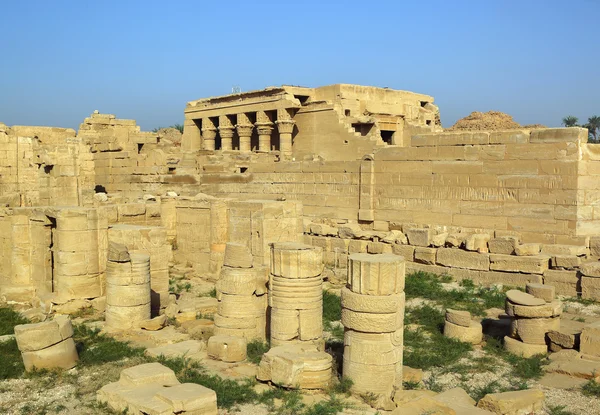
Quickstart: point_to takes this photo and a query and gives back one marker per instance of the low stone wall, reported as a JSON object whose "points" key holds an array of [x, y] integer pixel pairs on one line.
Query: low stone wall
{"points": [[496, 258]]}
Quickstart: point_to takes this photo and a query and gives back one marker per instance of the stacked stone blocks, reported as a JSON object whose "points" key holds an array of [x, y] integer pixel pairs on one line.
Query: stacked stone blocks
{"points": [[373, 304], [296, 294], [534, 314], [241, 294], [128, 291]]}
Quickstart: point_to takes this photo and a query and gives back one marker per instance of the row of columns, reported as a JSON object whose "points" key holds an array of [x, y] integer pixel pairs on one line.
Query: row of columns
{"points": [[264, 128]]}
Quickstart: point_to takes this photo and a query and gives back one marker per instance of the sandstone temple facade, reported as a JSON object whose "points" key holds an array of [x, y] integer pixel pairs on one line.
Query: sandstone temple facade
{"points": [[349, 169]]}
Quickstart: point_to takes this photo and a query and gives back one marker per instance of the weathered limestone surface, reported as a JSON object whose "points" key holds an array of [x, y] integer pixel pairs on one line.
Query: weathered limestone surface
{"points": [[513, 403], [152, 388], [241, 294], [300, 366], [47, 345], [373, 316], [128, 293], [296, 295]]}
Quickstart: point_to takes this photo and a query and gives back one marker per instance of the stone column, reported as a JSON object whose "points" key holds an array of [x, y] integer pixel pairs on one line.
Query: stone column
{"points": [[209, 133], [244, 129], [296, 295], [226, 130], [191, 139], [76, 254], [264, 128], [241, 292], [373, 318], [285, 124], [127, 288]]}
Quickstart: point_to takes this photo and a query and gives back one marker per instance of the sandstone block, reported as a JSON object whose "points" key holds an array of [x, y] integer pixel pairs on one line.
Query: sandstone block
{"points": [[190, 397], [590, 288], [472, 334], [457, 258], [552, 309], [60, 355], [565, 339], [240, 281], [296, 366], [458, 317], [148, 373], [310, 323], [477, 242], [557, 249], [527, 249], [576, 367], [425, 255], [513, 403], [185, 348], [118, 252], [295, 260], [419, 237], [123, 318], [533, 330], [522, 349], [404, 396], [372, 323], [591, 269], [154, 324], [227, 348], [595, 246], [565, 282], [456, 240], [521, 298], [423, 406], [37, 336], [381, 274], [376, 349], [590, 339], [439, 239], [565, 261], [237, 256], [545, 292], [526, 264], [372, 303]]}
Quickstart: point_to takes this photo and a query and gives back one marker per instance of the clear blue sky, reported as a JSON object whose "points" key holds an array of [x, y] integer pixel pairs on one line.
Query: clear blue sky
{"points": [[60, 60]]}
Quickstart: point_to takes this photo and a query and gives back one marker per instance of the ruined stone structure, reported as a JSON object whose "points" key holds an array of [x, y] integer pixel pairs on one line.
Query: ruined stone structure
{"points": [[348, 169], [373, 318]]}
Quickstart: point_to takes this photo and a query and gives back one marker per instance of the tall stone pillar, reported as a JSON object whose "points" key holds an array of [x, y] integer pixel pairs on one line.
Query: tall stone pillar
{"points": [[191, 139], [373, 318], [209, 133], [244, 129], [264, 128], [127, 288], [296, 295], [226, 130], [241, 292], [285, 125]]}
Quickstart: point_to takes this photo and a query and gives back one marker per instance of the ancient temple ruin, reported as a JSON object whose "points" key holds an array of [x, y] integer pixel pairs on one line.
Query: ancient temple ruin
{"points": [[272, 192]]}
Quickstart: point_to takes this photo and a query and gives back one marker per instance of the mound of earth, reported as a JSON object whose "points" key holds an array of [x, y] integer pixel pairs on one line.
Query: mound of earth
{"points": [[491, 120], [171, 134]]}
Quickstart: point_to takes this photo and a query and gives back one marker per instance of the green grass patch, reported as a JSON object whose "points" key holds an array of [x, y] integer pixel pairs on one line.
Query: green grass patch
{"points": [[522, 368], [11, 364], [427, 347], [332, 312], [470, 297], [255, 351], [559, 410], [9, 318], [95, 348], [592, 388]]}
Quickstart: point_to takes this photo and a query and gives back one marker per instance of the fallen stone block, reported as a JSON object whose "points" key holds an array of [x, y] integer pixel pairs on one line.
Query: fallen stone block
{"points": [[404, 396], [60, 355], [579, 368], [542, 291], [536, 264], [154, 324], [182, 349], [521, 298], [503, 245], [423, 406], [590, 339], [590, 288], [457, 258], [458, 317], [591, 269], [148, 373], [472, 334], [522, 349], [565, 261], [564, 338], [419, 237], [477, 242], [189, 397], [227, 348], [513, 403], [296, 366], [527, 249]]}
